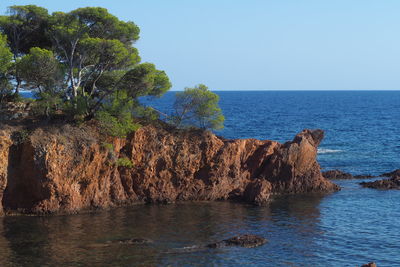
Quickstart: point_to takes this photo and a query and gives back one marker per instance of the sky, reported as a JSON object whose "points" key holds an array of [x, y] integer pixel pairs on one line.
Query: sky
{"points": [[262, 44]]}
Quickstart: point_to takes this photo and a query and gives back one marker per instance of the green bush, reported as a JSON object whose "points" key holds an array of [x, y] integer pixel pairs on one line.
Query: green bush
{"points": [[47, 104], [124, 162], [108, 146], [115, 117]]}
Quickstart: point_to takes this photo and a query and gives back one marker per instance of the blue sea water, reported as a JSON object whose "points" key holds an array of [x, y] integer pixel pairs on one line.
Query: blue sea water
{"points": [[347, 228]]}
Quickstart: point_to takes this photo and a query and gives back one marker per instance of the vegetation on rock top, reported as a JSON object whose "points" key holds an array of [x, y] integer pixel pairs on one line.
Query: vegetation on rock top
{"points": [[83, 65]]}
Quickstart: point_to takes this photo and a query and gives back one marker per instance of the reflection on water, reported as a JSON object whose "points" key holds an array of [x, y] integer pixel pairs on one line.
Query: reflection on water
{"points": [[302, 231], [71, 240]]}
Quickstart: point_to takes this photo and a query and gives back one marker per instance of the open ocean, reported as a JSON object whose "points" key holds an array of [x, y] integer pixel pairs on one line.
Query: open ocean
{"points": [[348, 228]]}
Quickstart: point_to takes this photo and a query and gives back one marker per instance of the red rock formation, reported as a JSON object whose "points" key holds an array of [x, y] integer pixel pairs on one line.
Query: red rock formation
{"points": [[67, 169]]}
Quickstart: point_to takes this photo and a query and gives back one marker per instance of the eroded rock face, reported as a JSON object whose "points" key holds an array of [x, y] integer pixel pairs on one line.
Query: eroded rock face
{"points": [[68, 169]]}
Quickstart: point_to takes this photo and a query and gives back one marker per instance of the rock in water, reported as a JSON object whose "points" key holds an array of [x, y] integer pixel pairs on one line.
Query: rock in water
{"points": [[363, 176], [337, 174], [129, 241], [247, 241], [371, 264], [392, 183], [395, 173]]}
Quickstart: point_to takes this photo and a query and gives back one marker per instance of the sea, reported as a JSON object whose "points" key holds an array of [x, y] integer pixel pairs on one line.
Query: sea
{"points": [[349, 228]]}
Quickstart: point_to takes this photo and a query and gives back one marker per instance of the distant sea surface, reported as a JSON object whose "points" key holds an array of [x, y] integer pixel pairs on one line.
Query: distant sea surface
{"points": [[347, 228]]}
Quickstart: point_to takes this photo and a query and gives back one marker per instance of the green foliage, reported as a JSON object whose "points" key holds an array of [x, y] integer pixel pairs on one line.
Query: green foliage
{"points": [[6, 89], [108, 146], [115, 117], [40, 69], [47, 104], [124, 162], [5, 65], [90, 42], [81, 62], [5, 55], [25, 28], [146, 113], [198, 107], [145, 79]]}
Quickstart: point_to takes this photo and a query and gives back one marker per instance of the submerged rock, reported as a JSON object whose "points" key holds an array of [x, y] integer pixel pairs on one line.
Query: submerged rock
{"points": [[124, 241], [247, 241], [129, 241]]}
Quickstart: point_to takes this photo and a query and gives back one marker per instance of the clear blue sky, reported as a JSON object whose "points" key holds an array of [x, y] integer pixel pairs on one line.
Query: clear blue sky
{"points": [[263, 44]]}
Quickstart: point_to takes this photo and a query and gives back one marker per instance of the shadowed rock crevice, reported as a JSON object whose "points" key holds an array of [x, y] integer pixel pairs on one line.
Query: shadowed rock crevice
{"points": [[22, 192]]}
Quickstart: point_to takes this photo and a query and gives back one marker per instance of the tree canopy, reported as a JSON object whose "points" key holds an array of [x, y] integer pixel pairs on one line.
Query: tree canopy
{"points": [[5, 55], [83, 64], [198, 106], [82, 57]]}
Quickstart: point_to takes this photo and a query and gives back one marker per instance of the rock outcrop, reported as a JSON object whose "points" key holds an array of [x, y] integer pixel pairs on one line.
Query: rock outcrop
{"points": [[392, 183], [340, 175], [393, 174], [337, 174], [68, 168]]}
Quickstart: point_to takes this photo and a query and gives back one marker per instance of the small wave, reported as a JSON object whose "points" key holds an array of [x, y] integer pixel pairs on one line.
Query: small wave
{"points": [[328, 151]]}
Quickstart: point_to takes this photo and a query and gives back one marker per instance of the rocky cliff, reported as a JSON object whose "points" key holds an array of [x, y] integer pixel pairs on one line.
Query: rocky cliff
{"points": [[66, 168]]}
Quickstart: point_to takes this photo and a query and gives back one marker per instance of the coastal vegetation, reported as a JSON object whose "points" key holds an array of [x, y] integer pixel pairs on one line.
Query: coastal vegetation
{"points": [[82, 65], [199, 107]]}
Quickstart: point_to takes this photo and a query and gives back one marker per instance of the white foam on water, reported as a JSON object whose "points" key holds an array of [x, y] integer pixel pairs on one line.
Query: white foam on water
{"points": [[328, 151]]}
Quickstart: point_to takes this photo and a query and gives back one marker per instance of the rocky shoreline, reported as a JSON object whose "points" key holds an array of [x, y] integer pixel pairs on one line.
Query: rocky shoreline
{"points": [[67, 169], [340, 175], [393, 181]]}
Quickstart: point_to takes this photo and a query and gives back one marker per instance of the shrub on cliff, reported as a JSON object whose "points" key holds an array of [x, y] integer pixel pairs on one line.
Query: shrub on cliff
{"points": [[115, 117], [198, 107], [124, 162]]}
